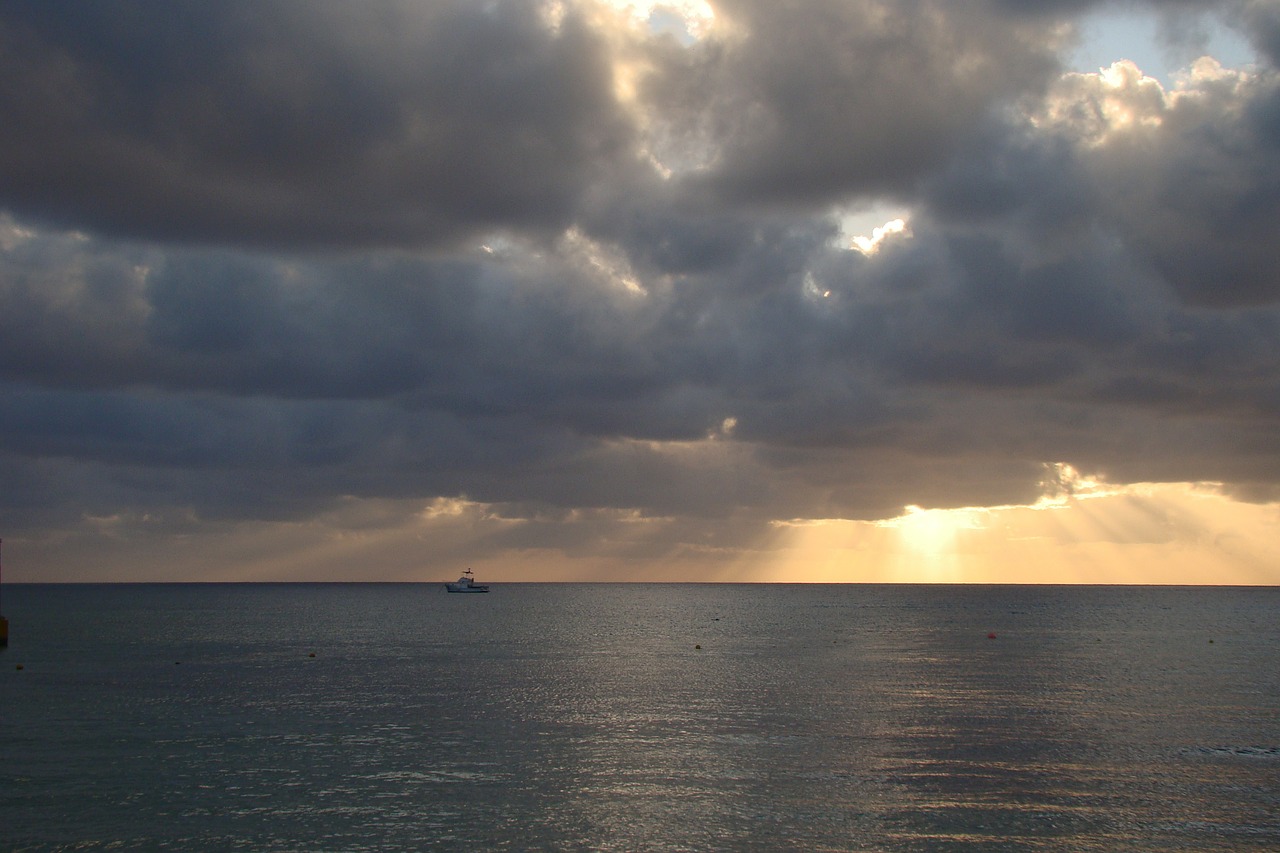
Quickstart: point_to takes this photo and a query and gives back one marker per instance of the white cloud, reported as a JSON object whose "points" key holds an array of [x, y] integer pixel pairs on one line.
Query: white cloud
{"points": [[869, 245]]}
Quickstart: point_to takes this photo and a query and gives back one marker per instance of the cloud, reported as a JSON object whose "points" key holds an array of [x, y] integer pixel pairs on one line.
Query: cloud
{"points": [[273, 263], [813, 102], [303, 124], [1189, 176]]}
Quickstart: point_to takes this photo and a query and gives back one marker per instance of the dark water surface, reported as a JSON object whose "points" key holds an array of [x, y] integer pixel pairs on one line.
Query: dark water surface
{"points": [[552, 717]]}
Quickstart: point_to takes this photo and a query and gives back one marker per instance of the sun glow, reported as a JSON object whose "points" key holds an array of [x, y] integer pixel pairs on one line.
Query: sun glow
{"points": [[1081, 530], [931, 538], [686, 19], [606, 263]]}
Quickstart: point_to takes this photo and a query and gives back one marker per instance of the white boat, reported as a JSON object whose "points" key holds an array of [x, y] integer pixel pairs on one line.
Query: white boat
{"points": [[466, 583]]}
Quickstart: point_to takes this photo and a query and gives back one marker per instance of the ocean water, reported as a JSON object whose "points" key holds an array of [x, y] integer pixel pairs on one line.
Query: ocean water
{"points": [[621, 717]]}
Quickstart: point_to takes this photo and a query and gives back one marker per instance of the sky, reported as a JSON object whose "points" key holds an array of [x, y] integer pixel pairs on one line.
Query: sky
{"points": [[573, 290]]}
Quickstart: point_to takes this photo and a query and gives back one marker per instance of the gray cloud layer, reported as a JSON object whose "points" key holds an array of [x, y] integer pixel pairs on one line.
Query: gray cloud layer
{"points": [[260, 256]]}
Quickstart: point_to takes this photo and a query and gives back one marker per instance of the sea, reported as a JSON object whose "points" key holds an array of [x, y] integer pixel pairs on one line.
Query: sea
{"points": [[637, 717]]}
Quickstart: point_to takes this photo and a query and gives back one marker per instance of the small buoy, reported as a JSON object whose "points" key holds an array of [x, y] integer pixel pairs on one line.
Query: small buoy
{"points": [[313, 654], [698, 646], [991, 636], [1211, 641]]}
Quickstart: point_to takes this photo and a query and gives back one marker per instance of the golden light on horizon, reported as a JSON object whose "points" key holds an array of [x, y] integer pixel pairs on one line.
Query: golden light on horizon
{"points": [[1083, 530], [930, 538], [1145, 533]]}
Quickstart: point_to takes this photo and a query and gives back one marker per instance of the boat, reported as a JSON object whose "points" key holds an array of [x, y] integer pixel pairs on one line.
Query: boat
{"points": [[4, 623], [466, 583]]}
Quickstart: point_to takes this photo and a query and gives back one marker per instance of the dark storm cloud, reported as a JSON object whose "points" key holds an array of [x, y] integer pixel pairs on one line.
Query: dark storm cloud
{"points": [[1259, 21], [1087, 273], [292, 123], [1200, 193], [811, 102]]}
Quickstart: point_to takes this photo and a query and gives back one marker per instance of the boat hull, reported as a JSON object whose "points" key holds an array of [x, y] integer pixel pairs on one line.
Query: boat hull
{"points": [[454, 587]]}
